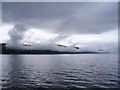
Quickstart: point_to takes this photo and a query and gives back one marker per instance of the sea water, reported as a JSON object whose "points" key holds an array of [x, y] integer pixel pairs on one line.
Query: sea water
{"points": [[33, 72]]}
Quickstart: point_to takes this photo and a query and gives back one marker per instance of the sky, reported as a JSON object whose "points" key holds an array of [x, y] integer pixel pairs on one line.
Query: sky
{"points": [[88, 25]]}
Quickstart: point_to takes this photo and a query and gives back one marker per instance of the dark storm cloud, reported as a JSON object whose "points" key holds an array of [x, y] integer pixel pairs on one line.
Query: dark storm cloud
{"points": [[92, 17]]}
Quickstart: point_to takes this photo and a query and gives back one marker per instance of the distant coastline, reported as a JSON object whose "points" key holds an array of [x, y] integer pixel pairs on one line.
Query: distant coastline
{"points": [[4, 50]]}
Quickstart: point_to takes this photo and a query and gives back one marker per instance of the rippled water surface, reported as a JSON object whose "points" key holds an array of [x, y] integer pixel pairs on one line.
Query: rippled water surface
{"points": [[61, 71]]}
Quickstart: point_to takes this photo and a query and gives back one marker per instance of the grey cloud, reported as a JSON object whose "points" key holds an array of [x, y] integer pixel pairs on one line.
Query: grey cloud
{"points": [[17, 34], [69, 17], [0, 13]]}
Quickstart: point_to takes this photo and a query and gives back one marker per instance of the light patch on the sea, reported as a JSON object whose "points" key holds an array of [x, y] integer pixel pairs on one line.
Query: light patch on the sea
{"points": [[38, 36]]}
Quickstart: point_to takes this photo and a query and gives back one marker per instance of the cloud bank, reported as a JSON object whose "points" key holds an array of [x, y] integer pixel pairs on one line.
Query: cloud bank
{"points": [[90, 25]]}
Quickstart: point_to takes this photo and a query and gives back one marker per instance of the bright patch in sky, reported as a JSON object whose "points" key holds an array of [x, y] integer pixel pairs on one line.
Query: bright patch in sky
{"points": [[75, 39], [111, 36], [107, 37], [4, 29], [38, 36]]}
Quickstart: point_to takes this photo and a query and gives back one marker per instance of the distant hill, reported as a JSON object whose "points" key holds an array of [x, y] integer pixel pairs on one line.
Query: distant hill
{"points": [[5, 50]]}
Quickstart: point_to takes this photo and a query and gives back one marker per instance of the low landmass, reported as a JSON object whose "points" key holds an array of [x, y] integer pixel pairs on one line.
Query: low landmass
{"points": [[5, 50]]}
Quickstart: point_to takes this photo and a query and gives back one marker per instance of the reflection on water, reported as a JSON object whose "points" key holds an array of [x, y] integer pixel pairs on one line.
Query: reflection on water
{"points": [[0, 72], [59, 71]]}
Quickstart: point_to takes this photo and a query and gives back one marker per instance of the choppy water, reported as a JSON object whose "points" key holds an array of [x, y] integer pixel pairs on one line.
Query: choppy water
{"points": [[59, 71]]}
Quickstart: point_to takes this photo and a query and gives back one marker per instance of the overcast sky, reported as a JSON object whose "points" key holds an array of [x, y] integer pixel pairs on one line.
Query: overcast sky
{"points": [[65, 22], [64, 17]]}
